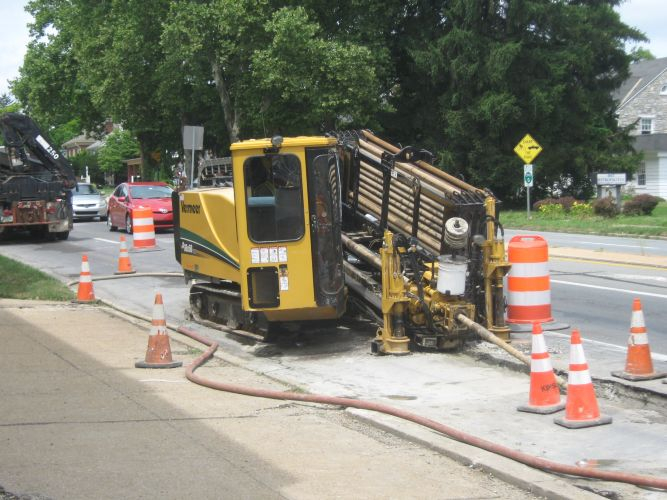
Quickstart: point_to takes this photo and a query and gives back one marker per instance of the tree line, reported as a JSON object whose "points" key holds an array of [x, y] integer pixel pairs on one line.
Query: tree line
{"points": [[466, 79]]}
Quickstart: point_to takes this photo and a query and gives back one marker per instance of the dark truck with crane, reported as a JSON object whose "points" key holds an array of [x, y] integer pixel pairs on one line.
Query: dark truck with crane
{"points": [[35, 181]]}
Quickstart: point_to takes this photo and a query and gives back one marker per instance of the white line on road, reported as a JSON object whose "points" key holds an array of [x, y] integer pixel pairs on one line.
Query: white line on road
{"points": [[655, 355], [107, 241], [631, 292], [615, 245]]}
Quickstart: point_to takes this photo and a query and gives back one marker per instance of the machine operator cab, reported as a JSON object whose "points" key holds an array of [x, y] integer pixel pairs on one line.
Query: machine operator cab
{"points": [[288, 218]]}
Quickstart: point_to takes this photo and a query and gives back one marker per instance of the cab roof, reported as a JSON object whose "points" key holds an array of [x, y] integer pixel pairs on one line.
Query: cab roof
{"points": [[301, 141]]}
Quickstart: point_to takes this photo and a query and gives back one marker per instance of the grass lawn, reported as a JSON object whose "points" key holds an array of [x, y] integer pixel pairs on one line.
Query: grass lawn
{"points": [[632, 225], [18, 281]]}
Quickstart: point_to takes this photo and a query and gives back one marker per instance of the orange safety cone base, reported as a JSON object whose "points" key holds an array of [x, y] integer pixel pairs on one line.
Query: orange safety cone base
{"points": [[126, 272], [635, 378], [82, 301], [542, 410], [155, 248], [580, 424], [145, 364]]}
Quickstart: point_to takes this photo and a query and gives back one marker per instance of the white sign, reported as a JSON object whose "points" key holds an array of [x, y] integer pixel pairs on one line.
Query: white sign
{"points": [[528, 175], [193, 137], [611, 179]]}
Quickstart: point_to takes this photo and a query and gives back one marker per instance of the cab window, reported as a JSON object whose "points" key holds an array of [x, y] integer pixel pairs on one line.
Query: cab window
{"points": [[274, 197]]}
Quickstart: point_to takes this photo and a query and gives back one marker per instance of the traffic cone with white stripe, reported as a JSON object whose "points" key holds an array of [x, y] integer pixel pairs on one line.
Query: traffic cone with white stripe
{"points": [[158, 353], [544, 392], [85, 291], [638, 364], [124, 264], [581, 408]]}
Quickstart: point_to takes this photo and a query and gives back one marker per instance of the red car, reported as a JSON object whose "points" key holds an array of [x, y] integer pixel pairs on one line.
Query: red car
{"points": [[130, 195]]}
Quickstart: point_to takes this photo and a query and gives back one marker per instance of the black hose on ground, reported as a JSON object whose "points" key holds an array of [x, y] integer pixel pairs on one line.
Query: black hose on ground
{"points": [[524, 458]]}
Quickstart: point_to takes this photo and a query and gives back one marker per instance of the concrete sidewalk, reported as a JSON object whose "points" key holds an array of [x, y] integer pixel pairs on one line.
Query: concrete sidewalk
{"points": [[78, 421], [607, 256]]}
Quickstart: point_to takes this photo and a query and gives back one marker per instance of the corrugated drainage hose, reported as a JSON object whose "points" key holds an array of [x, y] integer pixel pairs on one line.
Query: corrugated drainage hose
{"points": [[530, 460]]}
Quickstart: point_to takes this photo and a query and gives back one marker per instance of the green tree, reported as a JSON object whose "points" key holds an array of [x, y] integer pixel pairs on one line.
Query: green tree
{"points": [[487, 72], [85, 159], [119, 145], [49, 84], [273, 67], [7, 105], [641, 54]]}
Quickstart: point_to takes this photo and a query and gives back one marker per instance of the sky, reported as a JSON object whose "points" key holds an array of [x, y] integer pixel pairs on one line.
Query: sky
{"points": [[649, 16]]}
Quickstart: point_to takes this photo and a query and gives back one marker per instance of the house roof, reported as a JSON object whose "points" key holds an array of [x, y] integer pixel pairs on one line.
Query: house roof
{"points": [[78, 141], [642, 73]]}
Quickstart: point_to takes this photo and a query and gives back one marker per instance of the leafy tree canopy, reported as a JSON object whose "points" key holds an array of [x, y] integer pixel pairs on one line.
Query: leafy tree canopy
{"points": [[119, 145], [464, 78]]}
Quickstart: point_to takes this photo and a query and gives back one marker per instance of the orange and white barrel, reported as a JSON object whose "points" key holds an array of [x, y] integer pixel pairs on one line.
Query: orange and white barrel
{"points": [[528, 282], [143, 229]]}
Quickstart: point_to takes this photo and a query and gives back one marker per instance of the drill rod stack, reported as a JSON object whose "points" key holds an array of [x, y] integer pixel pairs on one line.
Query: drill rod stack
{"points": [[402, 191]]}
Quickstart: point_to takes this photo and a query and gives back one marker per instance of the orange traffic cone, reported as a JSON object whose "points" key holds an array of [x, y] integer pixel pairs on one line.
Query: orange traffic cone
{"points": [[544, 392], [124, 264], [85, 292], [638, 364], [581, 409], [158, 354]]}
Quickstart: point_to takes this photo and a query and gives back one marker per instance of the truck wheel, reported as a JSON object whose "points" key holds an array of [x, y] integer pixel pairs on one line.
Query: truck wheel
{"points": [[128, 224], [109, 225], [63, 235]]}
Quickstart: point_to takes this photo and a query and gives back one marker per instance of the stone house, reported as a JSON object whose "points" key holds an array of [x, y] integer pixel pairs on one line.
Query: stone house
{"points": [[643, 101]]}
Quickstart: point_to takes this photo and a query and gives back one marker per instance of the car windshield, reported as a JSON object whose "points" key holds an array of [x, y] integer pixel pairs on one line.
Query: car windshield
{"points": [[145, 192], [85, 189]]}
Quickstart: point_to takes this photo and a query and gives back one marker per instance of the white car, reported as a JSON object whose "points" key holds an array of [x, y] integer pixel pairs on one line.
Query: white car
{"points": [[88, 202]]}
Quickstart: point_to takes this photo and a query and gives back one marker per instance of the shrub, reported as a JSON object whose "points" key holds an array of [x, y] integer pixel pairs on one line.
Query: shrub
{"points": [[566, 202], [546, 201], [642, 204], [606, 207], [581, 209], [552, 210]]}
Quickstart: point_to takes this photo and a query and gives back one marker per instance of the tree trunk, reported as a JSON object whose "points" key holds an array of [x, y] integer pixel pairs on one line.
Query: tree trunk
{"points": [[231, 115]]}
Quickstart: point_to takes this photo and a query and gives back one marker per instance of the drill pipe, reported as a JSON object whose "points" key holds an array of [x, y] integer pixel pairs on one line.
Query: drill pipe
{"points": [[490, 337], [426, 177], [405, 209], [361, 251], [398, 190], [430, 243], [426, 166], [400, 202], [399, 216]]}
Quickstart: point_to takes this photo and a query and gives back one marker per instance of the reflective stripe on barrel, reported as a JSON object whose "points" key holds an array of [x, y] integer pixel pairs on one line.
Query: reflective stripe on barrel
{"points": [[528, 282]]}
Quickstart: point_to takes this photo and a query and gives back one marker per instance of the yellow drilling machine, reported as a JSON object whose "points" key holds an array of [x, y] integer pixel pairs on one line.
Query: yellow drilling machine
{"points": [[299, 227]]}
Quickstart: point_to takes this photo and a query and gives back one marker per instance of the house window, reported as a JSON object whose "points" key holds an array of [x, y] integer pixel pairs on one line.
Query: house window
{"points": [[646, 125], [663, 90], [641, 175]]}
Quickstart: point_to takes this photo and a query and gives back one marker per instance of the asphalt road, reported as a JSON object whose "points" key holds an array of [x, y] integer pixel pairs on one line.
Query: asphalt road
{"points": [[594, 297]]}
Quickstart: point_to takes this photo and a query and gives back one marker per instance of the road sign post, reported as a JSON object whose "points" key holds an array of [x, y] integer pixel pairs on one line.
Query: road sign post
{"points": [[193, 139], [528, 183], [527, 149]]}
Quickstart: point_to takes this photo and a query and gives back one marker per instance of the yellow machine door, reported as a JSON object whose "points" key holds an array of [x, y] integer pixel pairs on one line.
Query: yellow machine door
{"points": [[287, 246]]}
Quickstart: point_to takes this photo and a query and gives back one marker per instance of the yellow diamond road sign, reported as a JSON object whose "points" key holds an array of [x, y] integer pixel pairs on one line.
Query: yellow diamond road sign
{"points": [[528, 149]]}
